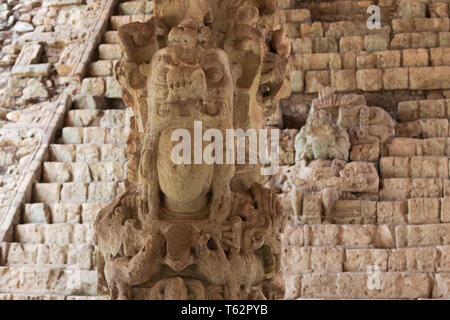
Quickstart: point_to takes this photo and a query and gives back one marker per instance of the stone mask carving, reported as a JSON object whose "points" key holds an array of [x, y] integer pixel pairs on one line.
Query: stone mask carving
{"points": [[192, 231], [320, 138]]}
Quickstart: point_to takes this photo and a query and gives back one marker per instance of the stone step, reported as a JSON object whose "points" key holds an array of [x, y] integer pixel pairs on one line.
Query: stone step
{"points": [[61, 212], [376, 285], [424, 109], [102, 68], [400, 189], [57, 233], [43, 280], [410, 147], [83, 172], [131, 8], [416, 40], [109, 51], [118, 21], [115, 118], [76, 192], [81, 256], [111, 37], [423, 129], [420, 25], [87, 152], [369, 236], [95, 135], [300, 260], [414, 167]]}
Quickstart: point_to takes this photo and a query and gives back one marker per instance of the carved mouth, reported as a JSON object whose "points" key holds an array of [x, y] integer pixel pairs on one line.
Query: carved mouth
{"points": [[179, 107]]}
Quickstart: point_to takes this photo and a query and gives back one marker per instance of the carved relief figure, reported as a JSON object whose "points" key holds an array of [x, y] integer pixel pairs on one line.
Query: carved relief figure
{"points": [[320, 138]]}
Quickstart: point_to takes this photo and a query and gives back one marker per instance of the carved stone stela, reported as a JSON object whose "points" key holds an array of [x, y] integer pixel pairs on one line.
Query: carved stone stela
{"points": [[200, 231]]}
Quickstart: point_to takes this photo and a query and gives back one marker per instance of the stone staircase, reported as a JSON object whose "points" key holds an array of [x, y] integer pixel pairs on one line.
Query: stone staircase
{"points": [[408, 246], [53, 253]]}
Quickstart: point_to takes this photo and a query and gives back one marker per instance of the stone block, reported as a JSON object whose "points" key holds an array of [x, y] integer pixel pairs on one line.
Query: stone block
{"points": [[445, 209], [324, 45], [351, 44], [113, 88], [46, 192], [388, 59], [429, 78], [327, 259], [87, 153], [369, 79], [412, 9], [80, 172], [358, 236], [109, 52], [89, 211], [440, 56], [93, 86], [438, 9], [95, 135], [302, 46], [392, 212], [443, 264], [444, 39], [360, 260], [376, 42], [102, 68], [36, 213], [402, 147], [415, 58], [119, 135], [421, 211], [426, 188], [57, 172], [73, 192], [297, 81], [322, 235], [429, 109], [395, 79], [112, 152], [395, 189], [395, 167], [365, 152], [429, 167], [441, 286], [66, 213], [343, 80], [421, 259], [296, 260], [101, 191], [295, 15], [29, 233]]}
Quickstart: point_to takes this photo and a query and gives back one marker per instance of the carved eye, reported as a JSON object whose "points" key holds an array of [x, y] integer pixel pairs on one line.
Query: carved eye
{"points": [[265, 89], [214, 74], [162, 77]]}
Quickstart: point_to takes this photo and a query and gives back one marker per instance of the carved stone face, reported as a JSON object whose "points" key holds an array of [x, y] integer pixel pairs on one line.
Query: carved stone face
{"points": [[181, 93]]}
